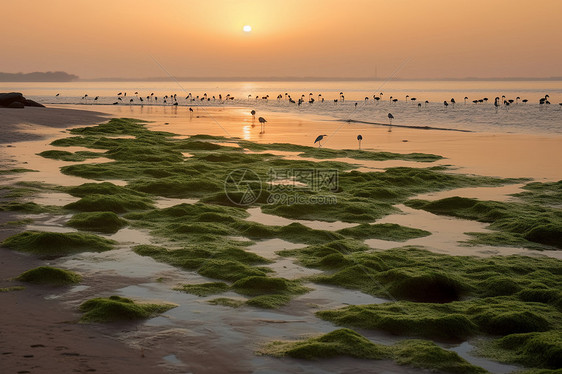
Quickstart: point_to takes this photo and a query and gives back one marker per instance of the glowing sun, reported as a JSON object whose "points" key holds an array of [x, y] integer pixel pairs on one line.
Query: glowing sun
{"points": [[247, 28]]}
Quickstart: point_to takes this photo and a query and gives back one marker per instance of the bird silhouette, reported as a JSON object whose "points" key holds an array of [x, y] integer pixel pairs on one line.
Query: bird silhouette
{"points": [[262, 123], [359, 138], [319, 140]]}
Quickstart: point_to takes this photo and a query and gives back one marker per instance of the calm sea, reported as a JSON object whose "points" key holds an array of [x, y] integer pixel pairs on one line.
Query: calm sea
{"points": [[355, 103]]}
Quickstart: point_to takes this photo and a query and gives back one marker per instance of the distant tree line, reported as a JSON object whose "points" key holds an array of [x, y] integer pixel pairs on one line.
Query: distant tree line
{"points": [[49, 76]]}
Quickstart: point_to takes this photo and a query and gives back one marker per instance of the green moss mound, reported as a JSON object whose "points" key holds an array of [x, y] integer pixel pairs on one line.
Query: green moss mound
{"points": [[457, 320], [541, 351], [106, 222], [345, 342], [116, 308], [523, 222], [16, 171], [57, 244], [384, 231], [69, 156], [259, 285], [110, 203], [50, 275], [269, 301], [204, 289], [342, 342], [427, 355]]}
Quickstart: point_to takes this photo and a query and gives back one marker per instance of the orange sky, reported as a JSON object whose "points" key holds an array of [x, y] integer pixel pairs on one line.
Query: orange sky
{"points": [[454, 38]]}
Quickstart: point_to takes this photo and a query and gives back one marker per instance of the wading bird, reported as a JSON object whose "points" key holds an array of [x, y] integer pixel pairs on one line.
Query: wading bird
{"points": [[390, 117], [359, 138], [262, 123], [319, 140]]}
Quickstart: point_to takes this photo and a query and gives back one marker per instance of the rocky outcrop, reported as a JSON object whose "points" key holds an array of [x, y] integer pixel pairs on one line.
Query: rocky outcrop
{"points": [[16, 100]]}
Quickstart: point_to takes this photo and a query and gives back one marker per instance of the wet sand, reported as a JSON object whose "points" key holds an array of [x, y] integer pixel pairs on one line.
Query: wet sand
{"points": [[29, 318], [31, 123]]}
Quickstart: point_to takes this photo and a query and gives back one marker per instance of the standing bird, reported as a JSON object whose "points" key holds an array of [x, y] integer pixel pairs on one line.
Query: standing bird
{"points": [[262, 123], [390, 117], [253, 113], [57, 95], [319, 140], [465, 99], [359, 138]]}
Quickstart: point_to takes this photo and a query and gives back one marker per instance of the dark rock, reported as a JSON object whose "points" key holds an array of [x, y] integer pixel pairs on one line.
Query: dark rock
{"points": [[16, 100], [15, 104], [7, 98], [33, 103]]}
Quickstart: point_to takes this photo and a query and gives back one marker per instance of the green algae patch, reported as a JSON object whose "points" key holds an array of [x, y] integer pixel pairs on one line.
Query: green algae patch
{"points": [[522, 221], [204, 289], [106, 222], [384, 231], [28, 207], [116, 308], [16, 171], [230, 264], [57, 244], [324, 153], [225, 301], [50, 275], [546, 194], [409, 273], [110, 203], [427, 355], [228, 270], [346, 342], [259, 285], [342, 342], [104, 188], [457, 320], [269, 301], [69, 156], [535, 349]]}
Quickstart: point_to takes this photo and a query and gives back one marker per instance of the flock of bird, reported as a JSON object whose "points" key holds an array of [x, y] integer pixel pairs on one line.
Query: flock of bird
{"points": [[172, 100]]}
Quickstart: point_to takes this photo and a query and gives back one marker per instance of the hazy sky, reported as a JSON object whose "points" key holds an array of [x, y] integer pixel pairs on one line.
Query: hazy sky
{"points": [[405, 38]]}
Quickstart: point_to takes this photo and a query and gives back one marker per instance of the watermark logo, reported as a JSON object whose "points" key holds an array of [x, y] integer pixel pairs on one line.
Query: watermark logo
{"points": [[284, 186], [242, 186]]}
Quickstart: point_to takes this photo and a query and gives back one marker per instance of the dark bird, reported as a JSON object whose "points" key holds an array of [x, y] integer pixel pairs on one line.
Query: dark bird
{"points": [[253, 112], [57, 94], [319, 140], [115, 103], [262, 123], [359, 138], [191, 110], [445, 103], [390, 117]]}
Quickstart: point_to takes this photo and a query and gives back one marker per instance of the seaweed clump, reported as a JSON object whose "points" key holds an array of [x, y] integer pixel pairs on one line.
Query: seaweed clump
{"points": [[116, 308], [50, 275], [345, 342], [106, 222], [57, 244], [523, 222]]}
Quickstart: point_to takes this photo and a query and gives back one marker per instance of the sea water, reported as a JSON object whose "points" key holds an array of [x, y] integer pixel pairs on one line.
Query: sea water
{"points": [[419, 103]]}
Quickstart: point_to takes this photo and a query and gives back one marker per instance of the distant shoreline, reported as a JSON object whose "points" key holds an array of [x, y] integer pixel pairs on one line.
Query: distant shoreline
{"points": [[63, 77]]}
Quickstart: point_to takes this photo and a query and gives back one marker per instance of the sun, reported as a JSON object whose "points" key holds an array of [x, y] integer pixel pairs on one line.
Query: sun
{"points": [[247, 28]]}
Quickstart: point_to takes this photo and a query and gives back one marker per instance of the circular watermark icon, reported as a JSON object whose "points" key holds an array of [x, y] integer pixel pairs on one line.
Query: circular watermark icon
{"points": [[242, 186]]}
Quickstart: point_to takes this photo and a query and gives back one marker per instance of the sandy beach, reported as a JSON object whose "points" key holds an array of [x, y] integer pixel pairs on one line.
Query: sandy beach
{"points": [[40, 333]]}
